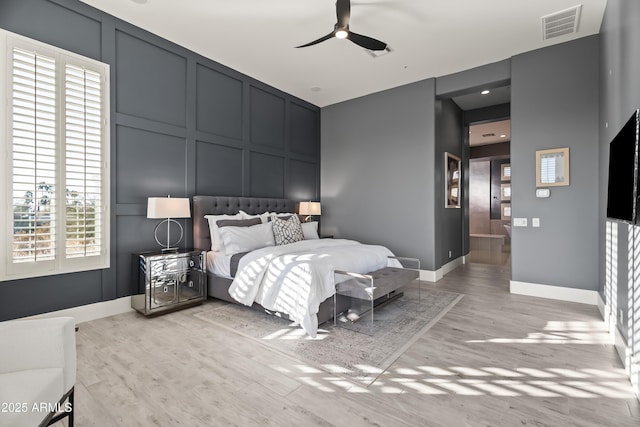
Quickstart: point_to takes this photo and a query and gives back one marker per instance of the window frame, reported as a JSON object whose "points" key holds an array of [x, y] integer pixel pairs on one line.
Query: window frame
{"points": [[61, 264]]}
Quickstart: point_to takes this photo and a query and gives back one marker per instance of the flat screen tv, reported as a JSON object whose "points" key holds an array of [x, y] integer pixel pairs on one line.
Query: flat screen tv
{"points": [[622, 195]]}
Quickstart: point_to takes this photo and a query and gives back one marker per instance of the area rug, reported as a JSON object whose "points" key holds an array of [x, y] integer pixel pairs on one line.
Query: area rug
{"points": [[358, 356]]}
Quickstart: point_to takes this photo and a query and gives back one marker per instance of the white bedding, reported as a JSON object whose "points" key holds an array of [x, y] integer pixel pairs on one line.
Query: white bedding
{"points": [[219, 264], [296, 278]]}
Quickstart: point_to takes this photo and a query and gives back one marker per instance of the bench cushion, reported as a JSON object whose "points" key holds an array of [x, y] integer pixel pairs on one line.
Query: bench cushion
{"points": [[385, 281]]}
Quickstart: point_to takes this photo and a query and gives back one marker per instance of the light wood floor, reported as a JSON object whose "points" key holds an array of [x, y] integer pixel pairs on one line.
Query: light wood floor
{"points": [[495, 359]]}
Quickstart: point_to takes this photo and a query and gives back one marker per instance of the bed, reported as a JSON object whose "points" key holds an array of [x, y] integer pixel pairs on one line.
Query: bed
{"points": [[294, 280]]}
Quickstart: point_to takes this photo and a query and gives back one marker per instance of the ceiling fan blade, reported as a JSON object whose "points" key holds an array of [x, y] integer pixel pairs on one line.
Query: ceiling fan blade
{"points": [[343, 13], [366, 42], [320, 40]]}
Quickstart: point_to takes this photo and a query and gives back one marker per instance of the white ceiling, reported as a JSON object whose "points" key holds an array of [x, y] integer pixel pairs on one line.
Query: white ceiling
{"points": [[428, 38]]}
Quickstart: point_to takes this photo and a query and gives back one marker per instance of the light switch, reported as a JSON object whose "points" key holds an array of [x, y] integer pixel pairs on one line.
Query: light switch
{"points": [[535, 222], [519, 222]]}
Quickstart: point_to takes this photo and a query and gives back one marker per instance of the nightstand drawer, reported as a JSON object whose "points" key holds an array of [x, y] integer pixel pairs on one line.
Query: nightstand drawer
{"points": [[162, 291], [191, 286]]}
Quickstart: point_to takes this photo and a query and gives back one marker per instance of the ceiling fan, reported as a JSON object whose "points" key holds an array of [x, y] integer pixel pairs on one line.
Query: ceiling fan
{"points": [[341, 30]]}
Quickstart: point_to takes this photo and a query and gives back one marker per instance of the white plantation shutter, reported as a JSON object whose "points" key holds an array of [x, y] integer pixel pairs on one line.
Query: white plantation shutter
{"points": [[34, 161], [57, 174], [83, 161]]}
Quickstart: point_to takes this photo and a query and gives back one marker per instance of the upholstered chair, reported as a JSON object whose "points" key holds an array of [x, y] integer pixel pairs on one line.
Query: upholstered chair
{"points": [[37, 371]]}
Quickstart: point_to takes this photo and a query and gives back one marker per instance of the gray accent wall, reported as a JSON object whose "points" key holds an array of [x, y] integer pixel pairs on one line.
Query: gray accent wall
{"points": [[181, 124], [452, 230], [554, 104], [619, 244], [378, 181]]}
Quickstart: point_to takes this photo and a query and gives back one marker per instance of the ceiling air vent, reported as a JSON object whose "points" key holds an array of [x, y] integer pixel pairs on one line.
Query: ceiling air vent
{"points": [[561, 23], [487, 135]]}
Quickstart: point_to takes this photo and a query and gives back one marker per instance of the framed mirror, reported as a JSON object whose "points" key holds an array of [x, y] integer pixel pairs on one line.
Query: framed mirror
{"points": [[452, 180], [552, 167]]}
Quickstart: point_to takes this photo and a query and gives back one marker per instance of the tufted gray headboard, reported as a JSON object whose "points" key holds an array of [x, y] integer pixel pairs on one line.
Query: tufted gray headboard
{"points": [[218, 205]]}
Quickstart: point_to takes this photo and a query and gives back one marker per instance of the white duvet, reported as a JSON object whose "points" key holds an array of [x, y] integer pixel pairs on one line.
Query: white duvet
{"points": [[295, 278]]}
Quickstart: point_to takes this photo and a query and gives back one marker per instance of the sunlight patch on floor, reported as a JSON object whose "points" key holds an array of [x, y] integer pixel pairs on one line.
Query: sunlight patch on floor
{"points": [[295, 332], [472, 381], [559, 332]]}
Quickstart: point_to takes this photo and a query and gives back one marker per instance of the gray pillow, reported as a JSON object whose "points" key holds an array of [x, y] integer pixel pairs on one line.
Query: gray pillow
{"points": [[287, 231], [285, 217], [238, 222]]}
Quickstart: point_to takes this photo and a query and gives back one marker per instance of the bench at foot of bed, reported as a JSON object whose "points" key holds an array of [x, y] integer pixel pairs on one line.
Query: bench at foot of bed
{"points": [[377, 288]]}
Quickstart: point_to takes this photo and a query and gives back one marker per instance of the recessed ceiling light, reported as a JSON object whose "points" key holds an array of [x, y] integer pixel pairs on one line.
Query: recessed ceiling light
{"points": [[485, 92], [503, 136]]}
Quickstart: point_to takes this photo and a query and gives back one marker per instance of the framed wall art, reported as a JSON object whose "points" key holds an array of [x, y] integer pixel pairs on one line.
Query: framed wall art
{"points": [[452, 182], [505, 172], [505, 191], [552, 167]]}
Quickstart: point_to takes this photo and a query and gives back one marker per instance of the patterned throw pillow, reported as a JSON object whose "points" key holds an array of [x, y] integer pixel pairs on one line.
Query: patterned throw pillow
{"points": [[287, 231]]}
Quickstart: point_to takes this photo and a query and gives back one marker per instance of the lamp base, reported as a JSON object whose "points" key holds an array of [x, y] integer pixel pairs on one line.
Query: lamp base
{"points": [[169, 246]]}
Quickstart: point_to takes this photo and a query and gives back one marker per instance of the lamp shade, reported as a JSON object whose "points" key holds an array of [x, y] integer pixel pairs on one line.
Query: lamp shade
{"points": [[309, 208], [168, 207]]}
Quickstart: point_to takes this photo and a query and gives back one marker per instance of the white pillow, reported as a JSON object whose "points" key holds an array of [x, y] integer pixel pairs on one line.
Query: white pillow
{"points": [[310, 230], [217, 244], [244, 239], [264, 217], [285, 215]]}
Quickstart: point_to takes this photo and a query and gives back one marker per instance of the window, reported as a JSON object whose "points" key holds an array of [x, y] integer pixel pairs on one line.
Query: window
{"points": [[57, 160]]}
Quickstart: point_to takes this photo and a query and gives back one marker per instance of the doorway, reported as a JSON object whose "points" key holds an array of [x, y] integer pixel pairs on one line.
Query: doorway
{"points": [[490, 193]]}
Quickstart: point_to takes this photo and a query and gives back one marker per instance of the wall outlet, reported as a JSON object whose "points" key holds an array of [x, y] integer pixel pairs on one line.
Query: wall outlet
{"points": [[535, 222], [449, 254], [621, 317], [519, 222]]}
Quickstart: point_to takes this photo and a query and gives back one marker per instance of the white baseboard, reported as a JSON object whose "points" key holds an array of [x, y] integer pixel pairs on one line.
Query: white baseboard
{"points": [[428, 276], [85, 313], [434, 276], [631, 364], [450, 266], [603, 309], [554, 292]]}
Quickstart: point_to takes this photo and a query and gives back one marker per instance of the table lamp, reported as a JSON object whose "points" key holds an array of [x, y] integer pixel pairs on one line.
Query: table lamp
{"points": [[168, 208], [309, 209]]}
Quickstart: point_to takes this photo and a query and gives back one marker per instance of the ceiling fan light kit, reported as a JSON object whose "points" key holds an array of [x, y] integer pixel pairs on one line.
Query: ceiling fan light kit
{"points": [[341, 30], [341, 34]]}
